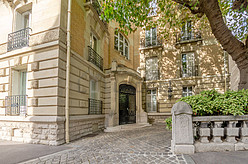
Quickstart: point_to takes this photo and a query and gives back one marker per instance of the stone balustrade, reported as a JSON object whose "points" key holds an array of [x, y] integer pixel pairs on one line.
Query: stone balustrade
{"points": [[210, 133]]}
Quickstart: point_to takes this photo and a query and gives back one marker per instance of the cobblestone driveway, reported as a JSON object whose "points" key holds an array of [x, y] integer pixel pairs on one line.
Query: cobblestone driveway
{"points": [[138, 146]]}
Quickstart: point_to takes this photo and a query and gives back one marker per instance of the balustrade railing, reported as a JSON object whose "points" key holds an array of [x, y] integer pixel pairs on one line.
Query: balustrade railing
{"points": [[221, 129], [95, 106], [157, 42], [16, 105], [18, 39], [95, 58], [189, 36]]}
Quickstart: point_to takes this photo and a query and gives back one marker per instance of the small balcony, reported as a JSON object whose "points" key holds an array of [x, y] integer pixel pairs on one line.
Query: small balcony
{"points": [[16, 105], [188, 37], [157, 42], [189, 71], [95, 58], [18, 39], [95, 106]]}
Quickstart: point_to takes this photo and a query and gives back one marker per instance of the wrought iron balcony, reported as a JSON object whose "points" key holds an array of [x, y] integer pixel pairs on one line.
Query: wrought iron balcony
{"points": [[189, 71], [156, 42], [95, 106], [18, 39], [95, 58], [189, 36], [16, 105]]}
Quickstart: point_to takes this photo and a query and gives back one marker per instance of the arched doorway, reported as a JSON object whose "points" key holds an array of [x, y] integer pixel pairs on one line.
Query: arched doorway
{"points": [[127, 104]]}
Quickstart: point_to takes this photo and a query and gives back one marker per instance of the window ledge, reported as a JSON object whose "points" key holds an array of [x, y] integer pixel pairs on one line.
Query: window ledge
{"points": [[188, 41], [151, 47]]}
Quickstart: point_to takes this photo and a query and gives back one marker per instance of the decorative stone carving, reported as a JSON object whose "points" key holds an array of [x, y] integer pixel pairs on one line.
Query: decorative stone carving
{"points": [[182, 129]]}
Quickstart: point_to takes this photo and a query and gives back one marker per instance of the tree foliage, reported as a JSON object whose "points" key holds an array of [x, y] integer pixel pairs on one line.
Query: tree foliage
{"points": [[131, 14]]}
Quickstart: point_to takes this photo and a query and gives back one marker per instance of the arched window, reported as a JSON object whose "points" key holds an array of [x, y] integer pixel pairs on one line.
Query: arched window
{"points": [[121, 44]]}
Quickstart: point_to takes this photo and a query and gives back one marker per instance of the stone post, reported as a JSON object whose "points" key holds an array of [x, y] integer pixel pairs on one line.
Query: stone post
{"points": [[182, 129]]}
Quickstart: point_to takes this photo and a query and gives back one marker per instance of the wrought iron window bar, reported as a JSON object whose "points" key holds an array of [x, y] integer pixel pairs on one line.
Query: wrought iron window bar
{"points": [[145, 44], [18, 39], [95, 106], [95, 58], [189, 71], [16, 105], [190, 36]]}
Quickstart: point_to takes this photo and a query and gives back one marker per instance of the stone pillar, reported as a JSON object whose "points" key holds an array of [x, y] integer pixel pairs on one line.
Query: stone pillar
{"points": [[140, 113], [182, 129]]}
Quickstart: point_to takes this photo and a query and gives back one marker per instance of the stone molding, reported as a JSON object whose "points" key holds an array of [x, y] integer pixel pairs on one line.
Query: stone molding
{"points": [[32, 118]]}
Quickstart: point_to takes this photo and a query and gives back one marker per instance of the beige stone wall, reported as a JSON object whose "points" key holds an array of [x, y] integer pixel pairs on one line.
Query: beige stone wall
{"points": [[45, 21], [209, 57], [133, 39]]}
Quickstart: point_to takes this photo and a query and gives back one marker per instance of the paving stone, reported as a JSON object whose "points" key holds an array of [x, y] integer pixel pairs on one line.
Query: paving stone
{"points": [[139, 146]]}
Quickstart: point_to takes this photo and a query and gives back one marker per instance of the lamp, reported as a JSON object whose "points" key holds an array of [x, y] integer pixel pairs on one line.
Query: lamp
{"points": [[170, 91]]}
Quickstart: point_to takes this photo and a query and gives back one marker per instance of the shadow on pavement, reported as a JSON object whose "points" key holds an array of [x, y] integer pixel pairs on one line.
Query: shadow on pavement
{"points": [[14, 152], [234, 157]]}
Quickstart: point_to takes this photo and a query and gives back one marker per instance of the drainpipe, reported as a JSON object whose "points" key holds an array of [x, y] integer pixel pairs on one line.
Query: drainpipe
{"points": [[68, 63]]}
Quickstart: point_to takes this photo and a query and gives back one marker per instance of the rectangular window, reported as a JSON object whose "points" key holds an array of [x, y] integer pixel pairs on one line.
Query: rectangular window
{"points": [[19, 82], [93, 42], [187, 91], [151, 37], [187, 31], [151, 100], [188, 65], [94, 89], [23, 20], [152, 69], [153, 8]]}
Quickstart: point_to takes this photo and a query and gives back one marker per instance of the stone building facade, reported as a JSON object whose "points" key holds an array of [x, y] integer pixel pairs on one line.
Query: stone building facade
{"points": [[189, 62], [114, 80]]}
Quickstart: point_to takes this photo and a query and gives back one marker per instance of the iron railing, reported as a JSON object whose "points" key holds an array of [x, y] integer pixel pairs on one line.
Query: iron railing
{"points": [[18, 39], [144, 43], [189, 36], [189, 71], [95, 106], [95, 58], [16, 105]]}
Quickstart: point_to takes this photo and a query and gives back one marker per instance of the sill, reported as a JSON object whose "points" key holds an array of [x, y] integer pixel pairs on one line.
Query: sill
{"points": [[151, 47], [189, 41]]}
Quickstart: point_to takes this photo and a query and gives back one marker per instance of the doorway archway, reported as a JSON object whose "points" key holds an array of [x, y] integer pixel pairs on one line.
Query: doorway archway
{"points": [[127, 104]]}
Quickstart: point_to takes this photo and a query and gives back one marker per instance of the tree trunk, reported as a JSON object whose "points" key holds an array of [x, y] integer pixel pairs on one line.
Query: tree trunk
{"points": [[230, 43]]}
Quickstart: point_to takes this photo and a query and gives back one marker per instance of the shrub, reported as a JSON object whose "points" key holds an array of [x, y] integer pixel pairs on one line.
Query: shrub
{"points": [[168, 122], [213, 103]]}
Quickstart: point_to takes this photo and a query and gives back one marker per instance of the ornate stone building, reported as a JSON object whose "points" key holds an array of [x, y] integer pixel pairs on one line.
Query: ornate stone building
{"points": [[189, 62], [105, 88]]}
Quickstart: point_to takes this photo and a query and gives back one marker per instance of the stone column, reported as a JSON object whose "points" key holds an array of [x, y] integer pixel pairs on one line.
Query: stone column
{"points": [[217, 132], [182, 129], [232, 132], [141, 114]]}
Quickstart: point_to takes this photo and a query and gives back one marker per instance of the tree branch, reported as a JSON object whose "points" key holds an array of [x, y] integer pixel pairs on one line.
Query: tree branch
{"points": [[193, 6]]}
